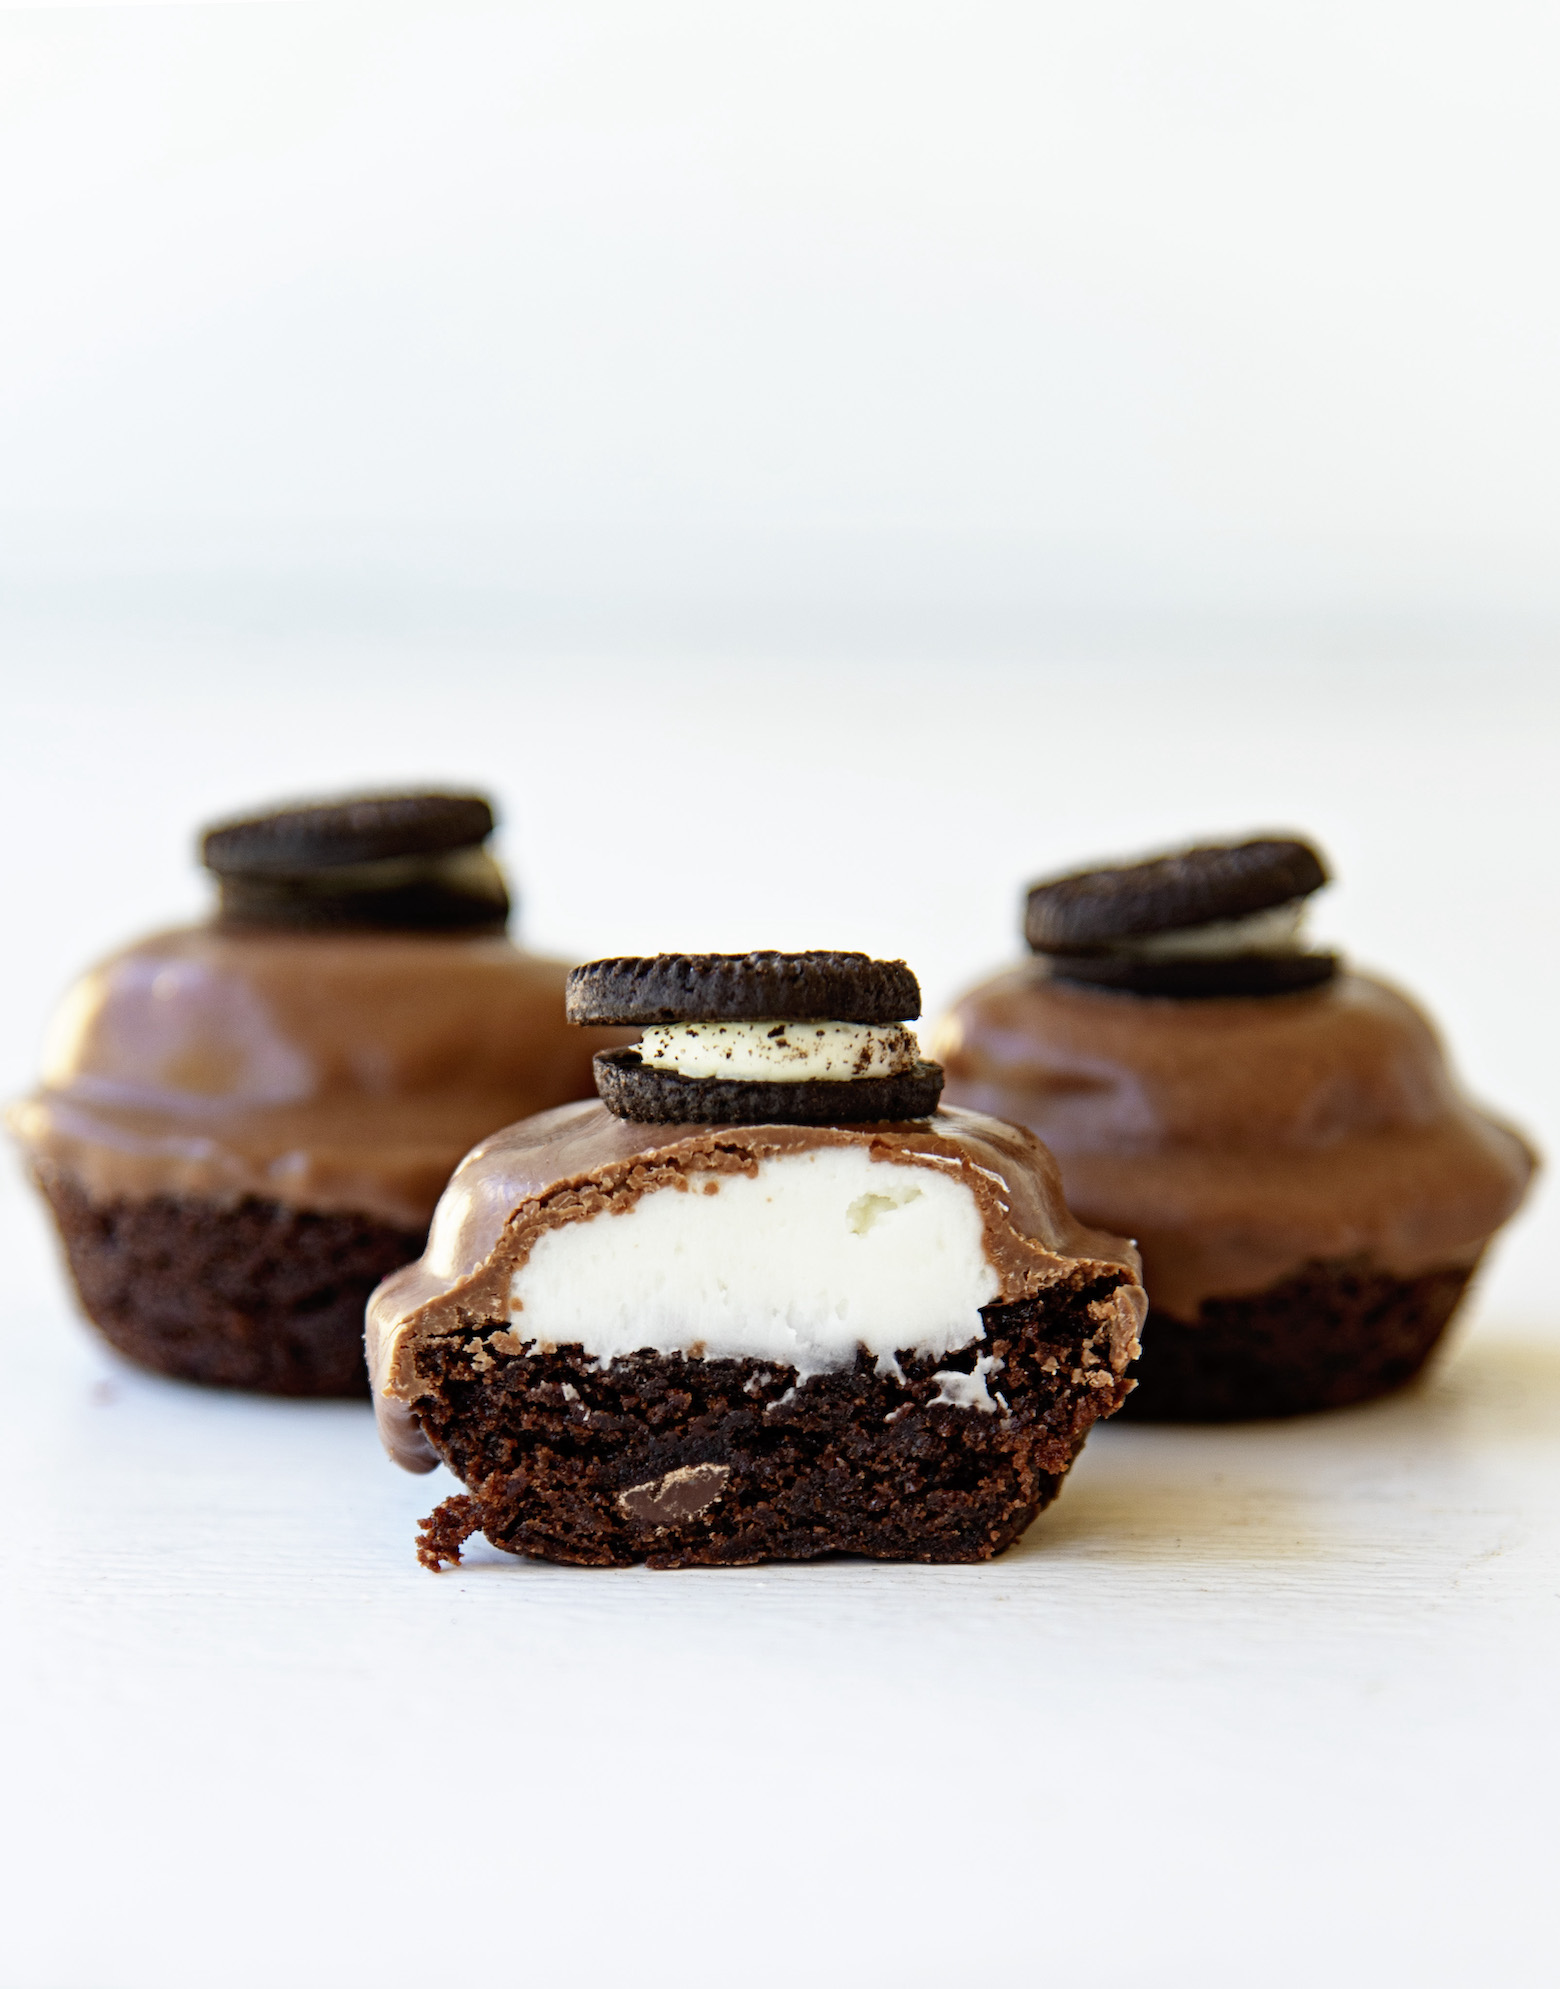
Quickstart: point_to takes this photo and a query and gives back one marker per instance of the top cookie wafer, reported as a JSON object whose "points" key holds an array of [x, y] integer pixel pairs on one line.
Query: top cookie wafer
{"points": [[707, 987], [364, 828], [1095, 910], [366, 863]]}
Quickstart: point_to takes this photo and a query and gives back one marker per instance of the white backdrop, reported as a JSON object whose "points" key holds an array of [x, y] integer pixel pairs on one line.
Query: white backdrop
{"points": [[1235, 316], [818, 467]]}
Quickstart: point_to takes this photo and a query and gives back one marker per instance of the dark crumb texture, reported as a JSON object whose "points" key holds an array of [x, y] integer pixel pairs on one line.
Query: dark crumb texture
{"points": [[1332, 1335], [632, 1089], [682, 1462], [256, 1296]]}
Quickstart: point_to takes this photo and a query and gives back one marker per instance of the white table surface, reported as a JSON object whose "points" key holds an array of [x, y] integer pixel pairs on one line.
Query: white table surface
{"points": [[1252, 1706]]}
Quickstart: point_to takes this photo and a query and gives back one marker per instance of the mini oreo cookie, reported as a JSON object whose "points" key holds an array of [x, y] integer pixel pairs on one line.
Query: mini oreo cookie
{"points": [[744, 987], [1092, 910], [371, 862], [631, 1089], [357, 829]]}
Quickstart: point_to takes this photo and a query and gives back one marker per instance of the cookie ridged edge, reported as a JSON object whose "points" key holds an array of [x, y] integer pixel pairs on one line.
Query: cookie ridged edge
{"points": [[631, 1089], [348, 830], [743, 987], [1102, 907]]}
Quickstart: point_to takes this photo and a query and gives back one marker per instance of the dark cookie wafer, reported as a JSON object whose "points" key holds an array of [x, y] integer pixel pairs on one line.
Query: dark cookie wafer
{"points": [[631, 1089], [374, 862], [364, 828], [732, 987], [1092, 910], [1229, 974]]}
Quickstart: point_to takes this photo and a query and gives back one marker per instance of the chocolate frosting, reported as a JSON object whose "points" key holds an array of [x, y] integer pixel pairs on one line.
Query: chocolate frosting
{"points": [[1240, 1139], [579, 1161], [322, 1071]]}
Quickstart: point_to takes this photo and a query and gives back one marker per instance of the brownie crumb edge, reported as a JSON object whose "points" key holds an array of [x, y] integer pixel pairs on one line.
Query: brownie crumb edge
{"points": [[1333, 1335], [445, 1531], [256, 1295]]}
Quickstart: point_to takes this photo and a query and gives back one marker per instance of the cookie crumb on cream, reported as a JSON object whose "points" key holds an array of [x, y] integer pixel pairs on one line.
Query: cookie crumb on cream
{"points": [[780, 1051]]}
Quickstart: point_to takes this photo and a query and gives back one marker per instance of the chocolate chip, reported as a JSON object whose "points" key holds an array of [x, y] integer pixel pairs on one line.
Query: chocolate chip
{"points": [[681, 1494]]}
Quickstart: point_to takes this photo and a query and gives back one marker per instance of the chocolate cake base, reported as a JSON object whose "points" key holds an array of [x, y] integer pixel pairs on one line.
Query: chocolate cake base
{"points": [[685, 1462], [254, 1296], [1331, 1335]]}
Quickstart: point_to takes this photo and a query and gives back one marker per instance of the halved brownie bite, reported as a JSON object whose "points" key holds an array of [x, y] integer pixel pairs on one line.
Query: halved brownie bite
{"points": [[698, 1341]]}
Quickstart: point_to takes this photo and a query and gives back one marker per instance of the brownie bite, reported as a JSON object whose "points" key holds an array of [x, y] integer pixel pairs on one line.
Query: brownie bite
{"points": [[763, 1301], [1310, 1189], [244, 1125]]}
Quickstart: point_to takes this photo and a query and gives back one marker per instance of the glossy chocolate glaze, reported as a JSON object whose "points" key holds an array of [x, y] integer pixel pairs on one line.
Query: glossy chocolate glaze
{"points": [[322, 1071], [579, 1162], [1241, 1139]]}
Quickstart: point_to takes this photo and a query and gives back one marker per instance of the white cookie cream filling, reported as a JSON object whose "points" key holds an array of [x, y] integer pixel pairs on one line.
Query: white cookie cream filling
{"points": [[1276, 930], [816, 1254], [783, 1052]]}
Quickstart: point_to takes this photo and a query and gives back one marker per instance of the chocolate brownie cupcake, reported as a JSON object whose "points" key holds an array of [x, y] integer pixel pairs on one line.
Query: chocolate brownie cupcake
{"points": [[244, 1125], [1310, 1189], [765, 1301]]}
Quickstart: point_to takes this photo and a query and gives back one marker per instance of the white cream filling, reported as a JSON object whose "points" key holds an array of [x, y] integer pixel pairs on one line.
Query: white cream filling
{"points": [[1276, 930], [783, 1052], [814, 1255], [969, 1391]]}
